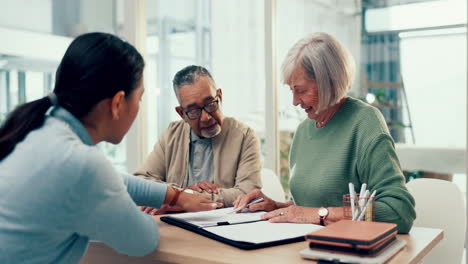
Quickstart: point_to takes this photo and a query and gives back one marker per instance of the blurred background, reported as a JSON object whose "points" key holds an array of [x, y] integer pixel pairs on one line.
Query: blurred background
{"points": [[411, 58]]}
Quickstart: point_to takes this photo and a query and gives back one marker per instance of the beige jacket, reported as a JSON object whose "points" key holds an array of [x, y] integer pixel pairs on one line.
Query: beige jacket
{"points": [[236, 157]]}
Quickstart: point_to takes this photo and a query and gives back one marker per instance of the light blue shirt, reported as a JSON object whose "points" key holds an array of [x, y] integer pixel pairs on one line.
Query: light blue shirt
{"points": [[58, 191], [200, 159]]}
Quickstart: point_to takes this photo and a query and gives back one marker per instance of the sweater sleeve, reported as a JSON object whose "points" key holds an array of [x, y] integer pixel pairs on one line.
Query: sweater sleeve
{"points": [[145, 193], [380, 169], [248, 170], [154, 167], [107, 212]]}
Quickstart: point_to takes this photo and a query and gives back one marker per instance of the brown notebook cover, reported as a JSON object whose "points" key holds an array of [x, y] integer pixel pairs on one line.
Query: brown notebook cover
{"points": [[362, 236]]}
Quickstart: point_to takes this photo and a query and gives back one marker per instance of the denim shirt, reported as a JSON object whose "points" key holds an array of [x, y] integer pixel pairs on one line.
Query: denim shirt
{"points": [[58, 191]]}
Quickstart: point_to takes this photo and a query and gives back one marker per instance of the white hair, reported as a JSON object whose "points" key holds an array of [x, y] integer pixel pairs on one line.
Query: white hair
{"points": [[324, 60]]}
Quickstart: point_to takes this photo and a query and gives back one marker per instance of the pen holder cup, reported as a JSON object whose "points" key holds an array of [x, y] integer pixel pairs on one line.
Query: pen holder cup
{"points": [[369, 211]]}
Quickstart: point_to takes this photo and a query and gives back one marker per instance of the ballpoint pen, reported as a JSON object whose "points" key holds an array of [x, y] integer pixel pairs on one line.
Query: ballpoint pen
{"points": [[257, 200], [212, 193]]}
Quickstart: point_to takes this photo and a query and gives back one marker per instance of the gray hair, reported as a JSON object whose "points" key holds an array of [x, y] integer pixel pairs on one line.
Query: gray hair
{"points": [[189, 75], [324, 60]]}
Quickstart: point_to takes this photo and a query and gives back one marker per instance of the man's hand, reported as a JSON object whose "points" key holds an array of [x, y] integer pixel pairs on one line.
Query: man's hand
{"points": [[206, 186], [196, 202], [266, 205]]}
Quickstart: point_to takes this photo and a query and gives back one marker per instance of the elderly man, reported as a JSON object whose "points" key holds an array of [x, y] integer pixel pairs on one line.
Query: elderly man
{"points": [[205, 151]]}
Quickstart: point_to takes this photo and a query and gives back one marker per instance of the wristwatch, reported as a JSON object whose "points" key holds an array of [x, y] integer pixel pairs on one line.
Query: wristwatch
{"points": [[323, 213]]}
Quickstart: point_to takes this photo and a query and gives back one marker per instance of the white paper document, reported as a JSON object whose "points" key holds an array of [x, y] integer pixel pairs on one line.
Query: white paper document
{"points": [[263, 231], [219, 217], [245, 227]]}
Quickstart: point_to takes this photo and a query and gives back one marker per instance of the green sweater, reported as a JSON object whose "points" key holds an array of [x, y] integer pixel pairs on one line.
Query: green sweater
{"points": [[355, 146]]}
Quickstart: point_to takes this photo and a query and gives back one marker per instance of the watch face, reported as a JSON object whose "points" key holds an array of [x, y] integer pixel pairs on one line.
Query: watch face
{"points": [[323, 211]]}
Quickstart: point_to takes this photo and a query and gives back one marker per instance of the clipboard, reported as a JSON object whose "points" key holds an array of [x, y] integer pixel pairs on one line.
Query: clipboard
{"points": [[244, 235]]}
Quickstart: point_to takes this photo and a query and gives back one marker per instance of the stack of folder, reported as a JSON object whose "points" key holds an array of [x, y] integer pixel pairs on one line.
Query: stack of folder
{"points": [[363, 239]]}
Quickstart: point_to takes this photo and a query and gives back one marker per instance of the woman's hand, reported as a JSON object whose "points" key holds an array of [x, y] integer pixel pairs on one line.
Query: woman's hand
{"points": [[266, 205], [293, 214], [196, 202], [164, 209]]}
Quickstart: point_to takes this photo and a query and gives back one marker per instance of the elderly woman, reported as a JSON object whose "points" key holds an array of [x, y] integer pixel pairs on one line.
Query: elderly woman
{"points": [[343, 140]]}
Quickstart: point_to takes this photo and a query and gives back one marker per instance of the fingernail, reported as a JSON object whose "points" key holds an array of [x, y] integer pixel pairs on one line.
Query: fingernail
{"points": [[214, 205]]}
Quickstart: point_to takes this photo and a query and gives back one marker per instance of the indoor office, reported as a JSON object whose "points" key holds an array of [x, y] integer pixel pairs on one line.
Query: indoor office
{"points": [[410, 66]]}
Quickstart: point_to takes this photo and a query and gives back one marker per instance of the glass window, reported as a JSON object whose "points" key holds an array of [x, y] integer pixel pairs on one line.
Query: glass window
{"points": [[239, 60], [435, 82], [179, 34], [226, 37], [431, 60], [27, 72], [429, 14]]}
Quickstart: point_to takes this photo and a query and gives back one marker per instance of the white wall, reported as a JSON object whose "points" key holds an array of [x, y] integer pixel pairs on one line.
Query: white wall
{"points": [[434, 72]]}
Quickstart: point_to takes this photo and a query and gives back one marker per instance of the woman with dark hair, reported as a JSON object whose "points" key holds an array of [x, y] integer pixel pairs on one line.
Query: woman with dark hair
{"points": [[57, 190]]}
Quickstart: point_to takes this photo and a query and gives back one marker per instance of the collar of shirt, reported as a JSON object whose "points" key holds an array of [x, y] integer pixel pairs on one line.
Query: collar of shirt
{"points": [[75, 125]]}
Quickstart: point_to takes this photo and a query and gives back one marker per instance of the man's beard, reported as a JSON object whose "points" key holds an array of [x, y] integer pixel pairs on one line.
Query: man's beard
{"points": [[212, 132]]}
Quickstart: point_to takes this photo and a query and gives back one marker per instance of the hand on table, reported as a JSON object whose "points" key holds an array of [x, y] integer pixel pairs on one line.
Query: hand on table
{"points": [[293, 214], [196, 202], [206, 186], [266, 205], [164, 209]]}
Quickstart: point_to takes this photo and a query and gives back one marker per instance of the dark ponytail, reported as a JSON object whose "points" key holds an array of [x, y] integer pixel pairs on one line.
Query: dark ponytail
{"points": [[95, 66], [20, 122]]}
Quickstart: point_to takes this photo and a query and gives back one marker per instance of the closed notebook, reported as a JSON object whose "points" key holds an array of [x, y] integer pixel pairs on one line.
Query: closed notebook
{"points": [[355, 237]]}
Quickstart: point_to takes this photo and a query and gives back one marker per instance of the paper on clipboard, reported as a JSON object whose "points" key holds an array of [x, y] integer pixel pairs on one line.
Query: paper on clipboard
{"points": [[244, 227], [212, 218]]}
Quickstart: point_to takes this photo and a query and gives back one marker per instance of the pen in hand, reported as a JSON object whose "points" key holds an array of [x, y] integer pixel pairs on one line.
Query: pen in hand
{"points": [[256, 200], [212, 192]]}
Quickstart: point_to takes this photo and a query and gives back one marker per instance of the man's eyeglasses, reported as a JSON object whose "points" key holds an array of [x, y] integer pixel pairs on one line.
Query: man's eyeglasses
{"points": [[209, 108]]}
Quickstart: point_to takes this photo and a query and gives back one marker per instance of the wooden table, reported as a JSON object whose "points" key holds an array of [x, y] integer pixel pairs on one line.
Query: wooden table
{"points": [[178, 245]]}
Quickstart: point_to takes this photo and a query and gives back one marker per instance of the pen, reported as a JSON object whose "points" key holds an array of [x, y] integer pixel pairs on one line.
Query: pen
{"points": [[369, 200], [361, 196], [212, 193], [352, 198], [257, 200]]}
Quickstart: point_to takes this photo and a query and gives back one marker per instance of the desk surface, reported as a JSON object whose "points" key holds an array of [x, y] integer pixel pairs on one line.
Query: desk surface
{"points": [[178, 245]]}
